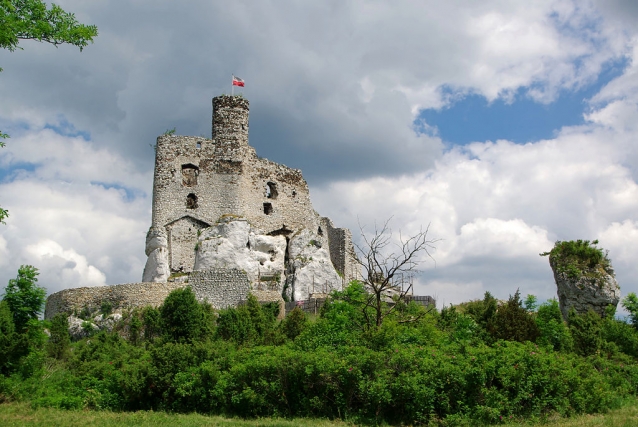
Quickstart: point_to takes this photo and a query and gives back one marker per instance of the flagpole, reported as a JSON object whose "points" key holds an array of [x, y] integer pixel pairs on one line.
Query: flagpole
{"points": [[232, 90]]}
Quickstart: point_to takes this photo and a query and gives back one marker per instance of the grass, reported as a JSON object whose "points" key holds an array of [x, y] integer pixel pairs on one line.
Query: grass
{"points": [[23, 414]]}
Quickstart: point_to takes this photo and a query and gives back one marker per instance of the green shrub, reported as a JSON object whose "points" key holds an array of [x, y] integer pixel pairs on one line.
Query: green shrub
{"points": [[7, 339], [513, 322], [294, 323], [135, 327], [553, 331], [182, 317], [151, 322], [623, 335], [59, 340], [106, 308], [235, 324], [630, 303], [586, 330]]}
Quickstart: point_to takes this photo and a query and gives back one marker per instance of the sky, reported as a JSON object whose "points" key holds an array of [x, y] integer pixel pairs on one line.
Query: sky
{"points": [[501, 125]]}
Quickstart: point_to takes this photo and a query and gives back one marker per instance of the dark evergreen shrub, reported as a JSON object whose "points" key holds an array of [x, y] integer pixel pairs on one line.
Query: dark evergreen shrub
{"points": [[294, 323], [513, 322], [7, 337]]}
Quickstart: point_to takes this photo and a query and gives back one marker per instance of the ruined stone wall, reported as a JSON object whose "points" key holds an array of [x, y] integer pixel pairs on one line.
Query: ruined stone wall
{"points": [[341, 251], [275, 198], [197, 181], [220, 287], [214, 193], [120, 297]]}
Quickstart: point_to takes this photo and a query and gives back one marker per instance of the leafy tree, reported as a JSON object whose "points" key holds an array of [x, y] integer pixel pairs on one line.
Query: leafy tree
{"points": [[553, 331], [135, 327], [24, 297], [182, 317], [60, 340], [513, 322], [32, 20], [482, 311], [630, 303], [151, 322], [235, 324], [531, 303]]}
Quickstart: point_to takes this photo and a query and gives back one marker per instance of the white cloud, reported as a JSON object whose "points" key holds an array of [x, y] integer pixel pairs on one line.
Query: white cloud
{"points": [[334, 89], [65, 267], [77, 212]]}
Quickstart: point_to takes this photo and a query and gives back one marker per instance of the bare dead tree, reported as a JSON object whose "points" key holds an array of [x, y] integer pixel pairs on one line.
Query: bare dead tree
{"points": [[386, 263]]}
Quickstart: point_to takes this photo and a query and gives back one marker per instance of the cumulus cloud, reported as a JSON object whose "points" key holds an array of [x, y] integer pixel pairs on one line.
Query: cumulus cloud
{"points": [[496, 206], [65, 267], [77, 212], [334, 89], [334, 86]]}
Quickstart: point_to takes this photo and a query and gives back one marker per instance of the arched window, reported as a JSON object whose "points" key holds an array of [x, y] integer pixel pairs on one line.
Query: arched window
{"points": [[189, 175], [191, 201]]}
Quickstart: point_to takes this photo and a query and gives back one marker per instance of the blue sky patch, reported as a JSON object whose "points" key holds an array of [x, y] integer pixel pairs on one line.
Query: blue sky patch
{"points": [[8, 174], [472, 118], [66, 128]]}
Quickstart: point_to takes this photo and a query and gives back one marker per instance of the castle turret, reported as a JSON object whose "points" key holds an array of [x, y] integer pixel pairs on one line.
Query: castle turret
{"points": [[230, 125]]}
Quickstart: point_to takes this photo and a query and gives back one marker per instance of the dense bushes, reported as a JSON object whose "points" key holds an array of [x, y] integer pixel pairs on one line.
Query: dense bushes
{"points": [[475, 362]]}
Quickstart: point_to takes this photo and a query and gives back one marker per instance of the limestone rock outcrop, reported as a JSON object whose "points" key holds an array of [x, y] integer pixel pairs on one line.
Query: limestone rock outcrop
{"points": [[297, 268], [235, 244], [310, 270], [79, 328], [595, 289], [157, 267]]}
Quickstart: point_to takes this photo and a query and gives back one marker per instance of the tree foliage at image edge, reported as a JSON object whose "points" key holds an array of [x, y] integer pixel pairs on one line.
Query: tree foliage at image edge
{"points": [[32, 20]]}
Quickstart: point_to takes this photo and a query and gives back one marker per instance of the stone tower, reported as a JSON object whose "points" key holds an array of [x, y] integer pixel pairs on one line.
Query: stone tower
{"points": [[201, 182]]}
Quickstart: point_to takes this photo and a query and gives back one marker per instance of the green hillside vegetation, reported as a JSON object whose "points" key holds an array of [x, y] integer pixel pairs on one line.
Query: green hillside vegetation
{"points": [[482, 362]]}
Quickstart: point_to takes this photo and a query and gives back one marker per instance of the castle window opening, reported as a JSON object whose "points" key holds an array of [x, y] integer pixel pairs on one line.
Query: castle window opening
{"points": [[320, 231], [189, 175], [191, 201], [271, 190], [198, 145], [294, 193], [267, 208]]}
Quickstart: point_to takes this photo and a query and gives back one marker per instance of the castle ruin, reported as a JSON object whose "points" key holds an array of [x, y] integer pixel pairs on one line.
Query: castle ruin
{"points": [[227, 222]]}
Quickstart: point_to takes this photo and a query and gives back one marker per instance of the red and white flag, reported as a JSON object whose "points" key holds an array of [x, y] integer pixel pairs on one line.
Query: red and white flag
{"points": [[238, 82]]}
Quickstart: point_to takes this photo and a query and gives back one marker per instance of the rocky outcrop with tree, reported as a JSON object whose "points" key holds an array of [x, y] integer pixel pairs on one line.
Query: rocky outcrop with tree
{"points": [[584, 277]]}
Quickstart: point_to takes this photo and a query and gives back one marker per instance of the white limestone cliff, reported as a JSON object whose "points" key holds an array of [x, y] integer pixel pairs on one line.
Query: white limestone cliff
{"points": [[310, 270]]}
